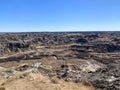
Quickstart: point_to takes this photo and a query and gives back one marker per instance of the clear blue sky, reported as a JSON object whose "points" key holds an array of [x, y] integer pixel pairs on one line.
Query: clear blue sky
{"points": [[59, 15]]}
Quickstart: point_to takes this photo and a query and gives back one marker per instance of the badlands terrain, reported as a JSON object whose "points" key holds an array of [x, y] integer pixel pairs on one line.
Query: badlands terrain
{"points": [[60, 61]]}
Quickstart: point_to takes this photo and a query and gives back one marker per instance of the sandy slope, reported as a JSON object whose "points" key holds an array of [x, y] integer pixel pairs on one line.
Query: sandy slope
{"points": [[40, 82]]}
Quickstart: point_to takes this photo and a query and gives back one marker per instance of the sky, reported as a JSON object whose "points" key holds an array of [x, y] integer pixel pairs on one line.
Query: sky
{"points": [[59, 15]]}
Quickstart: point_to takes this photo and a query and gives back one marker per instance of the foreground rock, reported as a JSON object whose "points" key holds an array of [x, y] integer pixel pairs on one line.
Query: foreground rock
{"points": [[107, 78], [32, 79]]}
